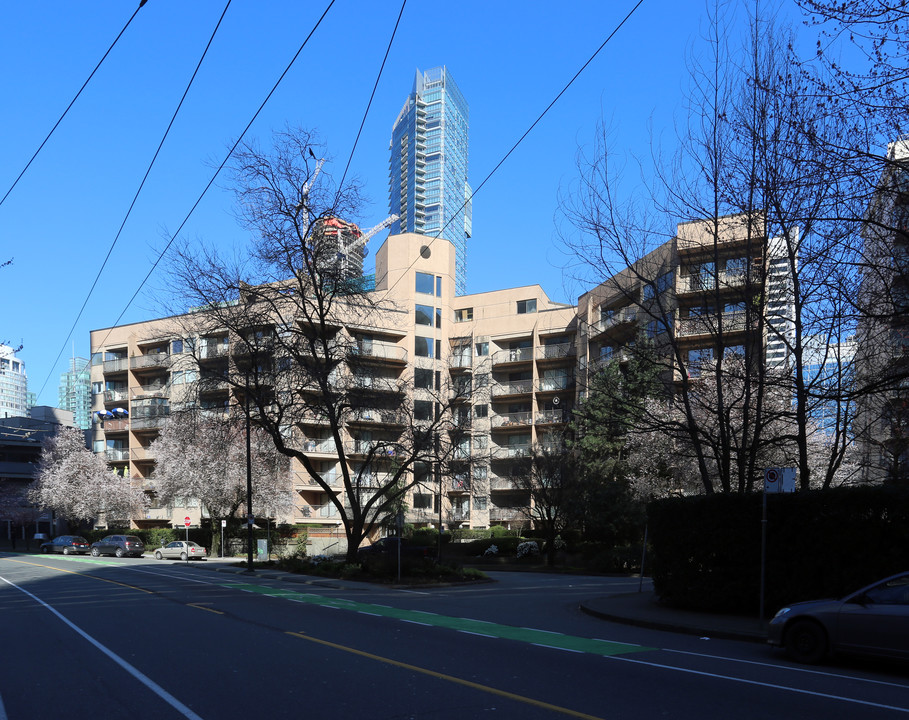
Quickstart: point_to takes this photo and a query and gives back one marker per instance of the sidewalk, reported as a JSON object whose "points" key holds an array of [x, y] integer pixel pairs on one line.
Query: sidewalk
{"points": [[643, 609]]}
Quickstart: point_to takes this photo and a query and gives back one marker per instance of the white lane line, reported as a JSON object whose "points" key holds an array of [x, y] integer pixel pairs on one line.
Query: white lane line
{"points": [[144, 679], [757, 683], [554, 647], [468, 632], [792, 668]]}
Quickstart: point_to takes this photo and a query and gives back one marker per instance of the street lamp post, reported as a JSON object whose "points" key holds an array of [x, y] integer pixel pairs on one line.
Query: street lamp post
{"points": [[249, 511]]}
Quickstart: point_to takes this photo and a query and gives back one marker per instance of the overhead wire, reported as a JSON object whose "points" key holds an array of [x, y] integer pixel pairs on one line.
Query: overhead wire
{"points": [[136, 196], [372, 96], [218, 171], [473, 193], [71, 103]]}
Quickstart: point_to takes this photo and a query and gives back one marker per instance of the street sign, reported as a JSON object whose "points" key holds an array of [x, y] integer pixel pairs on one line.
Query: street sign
{"points": [[187, 521], [224, 523], [779, 480]]}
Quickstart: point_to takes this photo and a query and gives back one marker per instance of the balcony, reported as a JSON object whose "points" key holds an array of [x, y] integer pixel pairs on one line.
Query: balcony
{"points": [[211, 352], [378, 448], [516, 355], [560, 351], [460, 361], [376, 384], [618, 318], [377, 417], [503, 483], [117, 365], [116, 454], [459, 515], [706, 282], [551, 417], [555, 384], [120, 425], [153, 361], [502, 514], [505, 452], [324, 447], [160, 390], [459, 484], [115, 396], [505, 420], [710, 324], [303, 480], [420, 515], [505, 389], [151, 421], [379, 352], [140, 453]]}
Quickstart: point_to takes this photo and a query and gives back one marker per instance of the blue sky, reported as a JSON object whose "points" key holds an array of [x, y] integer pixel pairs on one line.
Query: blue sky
{"points": [[510, 60]]}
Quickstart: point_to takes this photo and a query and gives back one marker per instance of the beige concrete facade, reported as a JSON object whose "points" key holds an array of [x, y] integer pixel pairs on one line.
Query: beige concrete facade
{"points": [[514, 362]]}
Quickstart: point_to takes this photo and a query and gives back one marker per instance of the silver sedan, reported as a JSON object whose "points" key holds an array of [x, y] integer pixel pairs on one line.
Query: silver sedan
{"points": [[182, 550]]}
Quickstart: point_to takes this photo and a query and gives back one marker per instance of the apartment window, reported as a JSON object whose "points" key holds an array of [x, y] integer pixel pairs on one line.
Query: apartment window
{"points": [[97, 388], [481, 411], [481, 380], [176, 346], [479, 503], [422, 410], [482, 349], [463, 315], [648, 292], [527, 306], [423, 346], [664, 282], [97, 358], [422, 501], [438, 317], [438, 286], [425, 283], [422, 378], [736, 266], [424, 315]]}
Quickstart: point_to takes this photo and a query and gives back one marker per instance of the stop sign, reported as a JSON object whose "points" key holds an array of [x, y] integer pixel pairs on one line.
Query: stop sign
{"points": [[186, 521]]}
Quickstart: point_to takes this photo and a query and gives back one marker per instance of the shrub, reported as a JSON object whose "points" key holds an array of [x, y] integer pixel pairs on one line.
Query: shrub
{"points": [[491, 550], [528, 549]]}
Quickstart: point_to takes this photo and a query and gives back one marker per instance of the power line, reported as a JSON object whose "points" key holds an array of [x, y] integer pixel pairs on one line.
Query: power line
{"points": [[219, 169], [71, 103], [372, 95], [526, 133], [136, 196]]}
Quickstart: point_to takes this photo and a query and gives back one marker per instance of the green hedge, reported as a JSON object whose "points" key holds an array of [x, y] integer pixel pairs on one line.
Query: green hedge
{"points": [[706, 550]]}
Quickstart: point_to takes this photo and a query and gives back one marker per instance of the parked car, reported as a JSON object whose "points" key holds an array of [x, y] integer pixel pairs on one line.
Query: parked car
{"points": [[870, 621], [66, 544], [119, 545], [182, 550]]}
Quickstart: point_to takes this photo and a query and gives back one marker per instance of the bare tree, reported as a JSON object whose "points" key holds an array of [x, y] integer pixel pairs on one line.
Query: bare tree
{"points": [[768, 258], [78, 485], [292, 334]]}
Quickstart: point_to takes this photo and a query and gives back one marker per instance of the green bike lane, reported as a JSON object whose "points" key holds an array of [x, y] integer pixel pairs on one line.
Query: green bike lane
{"points": [[540, 638]]}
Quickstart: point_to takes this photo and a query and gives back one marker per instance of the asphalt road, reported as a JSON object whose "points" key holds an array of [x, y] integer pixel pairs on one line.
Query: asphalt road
{"points": [[105, 638]]}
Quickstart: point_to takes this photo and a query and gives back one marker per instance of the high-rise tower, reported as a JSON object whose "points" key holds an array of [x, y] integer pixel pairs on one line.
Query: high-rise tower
{"points": [[427, 183], [75, 392], [13, 384]]}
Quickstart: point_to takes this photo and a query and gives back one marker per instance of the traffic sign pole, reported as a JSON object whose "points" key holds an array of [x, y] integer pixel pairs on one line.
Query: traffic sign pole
{"points": [[186, 522]]}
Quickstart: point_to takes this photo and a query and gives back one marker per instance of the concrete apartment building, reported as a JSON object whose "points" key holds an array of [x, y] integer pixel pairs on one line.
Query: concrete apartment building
{"points": [[515, 361], [882, 336]]}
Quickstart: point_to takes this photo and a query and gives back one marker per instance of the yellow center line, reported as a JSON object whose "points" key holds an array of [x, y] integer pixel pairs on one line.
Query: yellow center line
{"points": [[449, 678], [112, 582], [198, 606]]}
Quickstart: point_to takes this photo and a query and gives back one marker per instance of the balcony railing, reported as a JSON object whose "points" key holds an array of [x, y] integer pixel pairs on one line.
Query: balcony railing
{"points": [[459, 515], [141, 453], [551, 417], [153, 360], [498, 514], [513, 356], [619, 317], [157, 390], [519, 387], [502, 483], [120, 425], [709, 281], [209, 352], [372, 415], [380, 351], [502, 452], [320, 446], [511, 419], [556, 352], [117, 454], [459, 484], [710, 324], [118, 365], [156, 419], [114, 396], [460, 360], [380, 384], [555, 384]]}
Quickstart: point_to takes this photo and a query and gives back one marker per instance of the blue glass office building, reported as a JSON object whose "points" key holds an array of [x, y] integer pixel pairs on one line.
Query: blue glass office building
{"points": [[427, 183]]}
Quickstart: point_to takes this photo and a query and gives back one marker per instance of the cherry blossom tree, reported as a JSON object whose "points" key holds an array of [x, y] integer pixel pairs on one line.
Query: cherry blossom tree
{"points": [[202, 455], [78, 485]]}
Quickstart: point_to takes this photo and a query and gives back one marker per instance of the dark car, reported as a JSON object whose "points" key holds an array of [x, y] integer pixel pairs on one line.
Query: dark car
{"points": [[66, 544], [119, 545], [871, 621]]}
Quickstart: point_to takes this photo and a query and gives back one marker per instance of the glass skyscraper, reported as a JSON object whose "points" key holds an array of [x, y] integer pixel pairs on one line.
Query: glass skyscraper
{"points": [[13, 384], [427, 184], [75, 392]]}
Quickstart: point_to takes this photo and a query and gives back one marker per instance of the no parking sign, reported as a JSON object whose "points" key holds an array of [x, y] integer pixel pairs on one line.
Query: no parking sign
{"points": [[779, 480]]}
